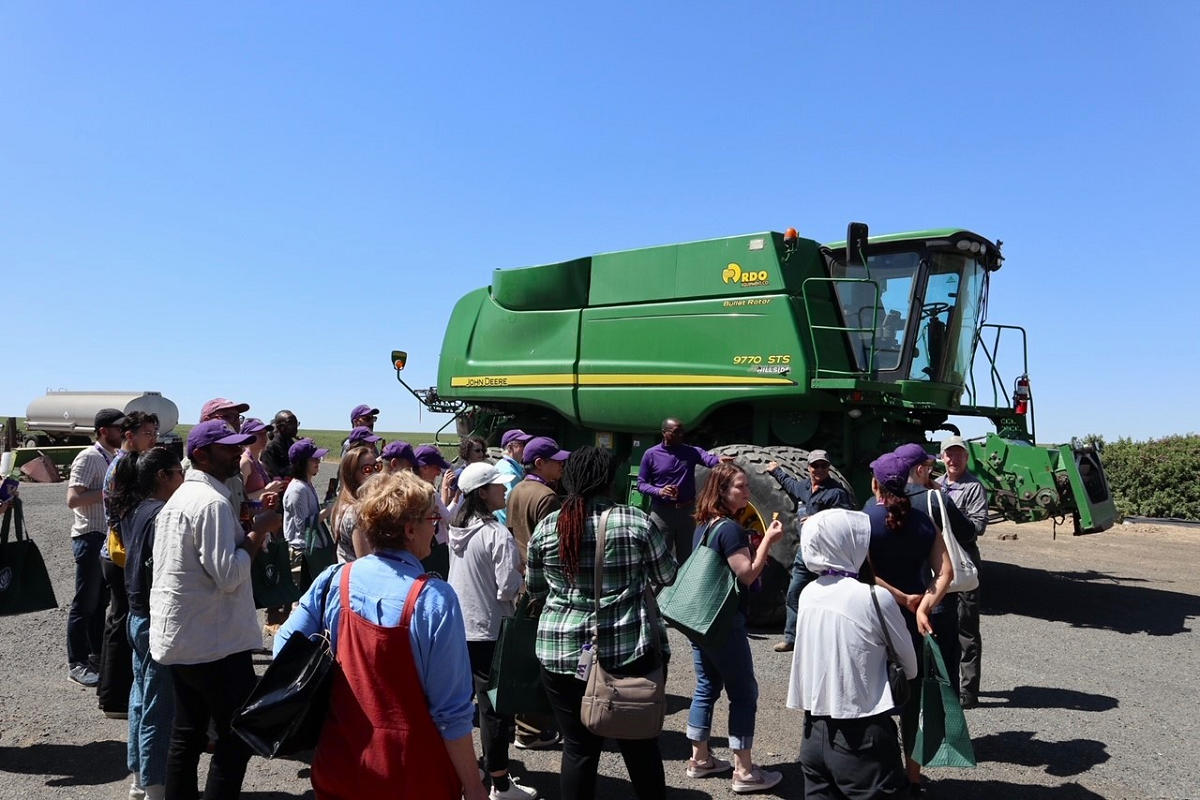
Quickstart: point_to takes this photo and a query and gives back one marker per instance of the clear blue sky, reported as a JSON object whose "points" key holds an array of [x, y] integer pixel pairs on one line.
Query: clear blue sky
{"points": [[261, 200]]}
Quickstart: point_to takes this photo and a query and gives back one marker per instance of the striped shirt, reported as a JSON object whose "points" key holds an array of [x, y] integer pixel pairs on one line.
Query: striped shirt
{"points": [[635, 553], [87, 472]]}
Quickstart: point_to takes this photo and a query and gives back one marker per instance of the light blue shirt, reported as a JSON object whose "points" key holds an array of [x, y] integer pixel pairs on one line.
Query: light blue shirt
{"points": [[378, 589], [515, 473]]}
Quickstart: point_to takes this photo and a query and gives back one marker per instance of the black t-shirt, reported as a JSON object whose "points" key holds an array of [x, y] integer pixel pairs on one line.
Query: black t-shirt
{"points": [[275, 457], [727, 538]]}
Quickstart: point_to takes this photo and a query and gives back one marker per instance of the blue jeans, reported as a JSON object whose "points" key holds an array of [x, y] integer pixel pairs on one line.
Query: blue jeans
{"points": [[85, 620], [151, 708], [801, 575], [730, 668]]}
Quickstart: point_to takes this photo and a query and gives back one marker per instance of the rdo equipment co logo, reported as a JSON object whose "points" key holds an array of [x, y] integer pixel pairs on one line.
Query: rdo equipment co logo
{"points": [[734, 274]]}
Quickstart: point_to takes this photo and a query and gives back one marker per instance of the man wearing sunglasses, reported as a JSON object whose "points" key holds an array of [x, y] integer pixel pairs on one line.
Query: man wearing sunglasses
{"points": [[361, 416]]}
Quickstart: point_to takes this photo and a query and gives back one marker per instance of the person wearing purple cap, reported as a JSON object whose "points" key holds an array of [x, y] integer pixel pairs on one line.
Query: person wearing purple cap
{"points": [[361, 416], [430, 465], [512, 465], [398, 456], [905, 547], [667, 476], [255, 478], [301, 505], [85, 497], [203, 623], [531, 501]]}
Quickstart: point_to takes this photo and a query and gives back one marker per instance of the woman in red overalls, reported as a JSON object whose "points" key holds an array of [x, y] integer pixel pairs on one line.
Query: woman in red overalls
{"points": [[400, 715]]}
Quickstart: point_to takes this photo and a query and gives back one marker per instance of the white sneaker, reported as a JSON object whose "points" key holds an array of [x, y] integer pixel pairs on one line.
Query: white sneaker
{"points": [[760, 780], [136, 792], [514, 792]]}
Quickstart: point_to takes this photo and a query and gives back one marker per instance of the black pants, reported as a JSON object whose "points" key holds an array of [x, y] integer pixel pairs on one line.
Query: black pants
{"points": [[85, 620], [495, 730], [204, 692], [116, 655], [581, 747], [969, 641], [678, 525], [851, 758]]}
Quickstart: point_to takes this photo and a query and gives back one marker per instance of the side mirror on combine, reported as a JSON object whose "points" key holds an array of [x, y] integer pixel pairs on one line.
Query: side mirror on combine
{"points": [[856, 244], [399, 359]]}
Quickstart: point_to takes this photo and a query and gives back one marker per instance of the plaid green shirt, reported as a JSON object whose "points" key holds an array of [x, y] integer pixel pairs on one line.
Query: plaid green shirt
{"points": [[635, 552]]}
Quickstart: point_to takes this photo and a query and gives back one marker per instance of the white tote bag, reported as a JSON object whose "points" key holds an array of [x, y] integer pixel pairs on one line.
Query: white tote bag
{"points": [[966, 574]]}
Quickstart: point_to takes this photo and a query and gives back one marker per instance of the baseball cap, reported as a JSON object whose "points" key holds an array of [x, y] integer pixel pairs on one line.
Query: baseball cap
{"points": [[427, 456], [108, 418], [818, 455], [254, 425], [219, 404], [214, 431], [515, 435], [891, 470], [913, 454], [362, 411], [543, 447], [305, 449], [398, 449], [363, 434], [478, 475], [953, 441]]}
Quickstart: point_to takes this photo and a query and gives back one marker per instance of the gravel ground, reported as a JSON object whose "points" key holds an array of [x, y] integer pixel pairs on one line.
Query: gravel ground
{"points": [[1084, 690]]}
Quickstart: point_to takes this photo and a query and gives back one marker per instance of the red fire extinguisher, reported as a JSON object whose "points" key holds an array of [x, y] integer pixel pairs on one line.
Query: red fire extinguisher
{"points": [[1021, 395]]}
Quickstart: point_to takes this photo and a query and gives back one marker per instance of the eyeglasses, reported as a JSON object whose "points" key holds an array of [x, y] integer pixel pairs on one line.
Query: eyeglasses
{"points": [[367, 469]]}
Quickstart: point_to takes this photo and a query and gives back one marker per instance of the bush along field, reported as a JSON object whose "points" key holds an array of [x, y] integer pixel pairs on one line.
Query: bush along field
{"points": [[1155, 478]]}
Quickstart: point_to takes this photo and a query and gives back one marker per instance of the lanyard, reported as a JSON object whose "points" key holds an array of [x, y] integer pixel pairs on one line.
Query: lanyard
{"points": [[107, 458]]}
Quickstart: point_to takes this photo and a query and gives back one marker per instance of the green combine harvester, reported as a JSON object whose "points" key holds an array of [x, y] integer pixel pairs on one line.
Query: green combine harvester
{"points": [[766, 346]]}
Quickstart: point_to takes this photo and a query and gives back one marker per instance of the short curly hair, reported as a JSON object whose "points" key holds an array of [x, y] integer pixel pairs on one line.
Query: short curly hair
{"points": [[388, 503]]}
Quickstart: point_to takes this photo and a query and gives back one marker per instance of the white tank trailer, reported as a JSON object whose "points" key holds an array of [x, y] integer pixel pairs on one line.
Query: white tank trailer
{"points": [[66, 418]]}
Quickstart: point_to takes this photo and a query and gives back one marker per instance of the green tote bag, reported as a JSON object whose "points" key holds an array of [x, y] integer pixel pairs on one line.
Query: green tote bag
{"points": [[24, 582], [271, 576], [703, 600], [942, 736], [515, 682]]}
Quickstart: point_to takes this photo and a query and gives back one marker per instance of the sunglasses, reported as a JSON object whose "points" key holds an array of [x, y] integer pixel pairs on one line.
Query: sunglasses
{"points": [[367, 469]]}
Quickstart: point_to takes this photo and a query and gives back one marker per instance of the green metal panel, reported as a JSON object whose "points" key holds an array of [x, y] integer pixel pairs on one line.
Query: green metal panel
{"points": [[544, 288], [738, 265], [491, 353], [639, 364]]}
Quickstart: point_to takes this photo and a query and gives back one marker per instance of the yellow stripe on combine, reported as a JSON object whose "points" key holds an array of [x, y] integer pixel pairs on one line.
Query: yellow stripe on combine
{"points": [[614, 379]]}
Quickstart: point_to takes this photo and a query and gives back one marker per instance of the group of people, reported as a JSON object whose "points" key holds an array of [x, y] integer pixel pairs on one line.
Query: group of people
{"points": [[431, 558]]}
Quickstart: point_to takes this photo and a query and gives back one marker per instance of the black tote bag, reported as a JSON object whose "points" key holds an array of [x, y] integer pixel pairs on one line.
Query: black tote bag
{"points": [[285, 712], [24, 582]]}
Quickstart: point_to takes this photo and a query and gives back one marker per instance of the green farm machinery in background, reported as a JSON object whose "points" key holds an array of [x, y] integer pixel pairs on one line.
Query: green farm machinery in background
{"points": [[766, 346]]}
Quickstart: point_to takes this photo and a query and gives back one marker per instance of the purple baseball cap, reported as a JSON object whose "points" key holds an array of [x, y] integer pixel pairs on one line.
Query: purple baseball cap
{"points": [[363, 434], [254, 425], [543, 447], [362, 411], [398, 449], [427, 456], [891, 470], [913, 454], [515, 435], [214, 431], [305, 449], [219, 404]]}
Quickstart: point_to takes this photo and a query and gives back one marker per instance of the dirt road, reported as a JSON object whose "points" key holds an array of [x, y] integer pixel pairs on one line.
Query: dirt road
{"points": [[1088, 683]]}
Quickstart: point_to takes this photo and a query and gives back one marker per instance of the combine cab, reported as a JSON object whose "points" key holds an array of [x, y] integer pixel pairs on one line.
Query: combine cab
{"points": [[765, 346]]}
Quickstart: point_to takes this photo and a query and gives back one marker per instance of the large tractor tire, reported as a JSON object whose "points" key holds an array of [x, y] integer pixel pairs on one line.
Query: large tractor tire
{"points": [[767, 499]]}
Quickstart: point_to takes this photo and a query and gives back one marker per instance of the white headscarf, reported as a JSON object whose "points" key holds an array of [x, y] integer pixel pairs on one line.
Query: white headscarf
{"points": [[835, 539]]}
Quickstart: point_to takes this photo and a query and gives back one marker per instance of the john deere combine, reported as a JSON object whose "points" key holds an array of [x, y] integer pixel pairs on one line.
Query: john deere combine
{"points": [[766, 346]]}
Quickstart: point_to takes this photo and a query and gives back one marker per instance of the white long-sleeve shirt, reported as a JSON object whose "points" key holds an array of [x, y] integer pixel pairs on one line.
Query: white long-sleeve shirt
{"points": [[201, 603], [839, 668]]}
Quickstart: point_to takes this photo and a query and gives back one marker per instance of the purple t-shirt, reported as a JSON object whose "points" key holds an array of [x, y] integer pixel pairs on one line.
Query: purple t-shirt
{"points": [[672, 466]]}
